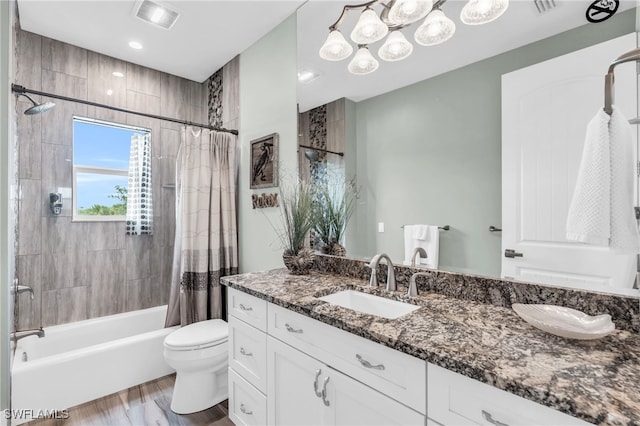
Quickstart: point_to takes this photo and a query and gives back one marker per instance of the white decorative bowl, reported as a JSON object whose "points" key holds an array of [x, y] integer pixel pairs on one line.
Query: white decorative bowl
{"points": [[565, 322]]}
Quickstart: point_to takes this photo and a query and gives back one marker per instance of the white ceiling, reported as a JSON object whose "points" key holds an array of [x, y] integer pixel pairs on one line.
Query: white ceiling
{"points": [[210, 33]]}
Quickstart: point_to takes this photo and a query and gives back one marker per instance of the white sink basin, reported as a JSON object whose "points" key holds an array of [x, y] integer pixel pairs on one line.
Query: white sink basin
{"points": [[370, 304]]}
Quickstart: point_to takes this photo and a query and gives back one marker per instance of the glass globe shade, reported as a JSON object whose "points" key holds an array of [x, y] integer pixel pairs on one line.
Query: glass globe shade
{"points": [[404, 12], [477, 12], [395, 47], [363, 62], [369, 28], [335, 48], [435, 29]]}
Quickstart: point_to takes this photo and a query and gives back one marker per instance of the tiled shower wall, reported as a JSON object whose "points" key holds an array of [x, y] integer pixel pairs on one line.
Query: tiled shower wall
{"points": [[82, 270]]}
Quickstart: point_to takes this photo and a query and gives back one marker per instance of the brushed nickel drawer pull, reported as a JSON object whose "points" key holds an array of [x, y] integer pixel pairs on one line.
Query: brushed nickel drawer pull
{"points": [[367, 364], [244, 410], [487, 416], [315, 384], [243, 352], [292, 330], [324, 391], [244, 308]]}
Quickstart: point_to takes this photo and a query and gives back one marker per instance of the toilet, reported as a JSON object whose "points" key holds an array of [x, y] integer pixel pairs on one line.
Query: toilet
{"points": [[198, 353]]}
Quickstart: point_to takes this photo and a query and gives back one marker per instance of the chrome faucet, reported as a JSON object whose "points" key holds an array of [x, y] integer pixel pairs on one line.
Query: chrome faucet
{"points": [[17, 289], [17, 335], [413, 287], [391, 276], [417, 251]]}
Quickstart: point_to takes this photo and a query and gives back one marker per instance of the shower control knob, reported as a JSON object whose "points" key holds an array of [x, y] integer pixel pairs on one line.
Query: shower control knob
{"points": [[512, 253]]}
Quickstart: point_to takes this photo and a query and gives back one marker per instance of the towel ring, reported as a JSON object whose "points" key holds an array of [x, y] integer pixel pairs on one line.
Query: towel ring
{"points": [[630, 56]]}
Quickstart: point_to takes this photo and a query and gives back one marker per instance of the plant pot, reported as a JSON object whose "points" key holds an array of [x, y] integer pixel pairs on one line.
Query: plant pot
{"points": [[299, 263], [334, 249]]}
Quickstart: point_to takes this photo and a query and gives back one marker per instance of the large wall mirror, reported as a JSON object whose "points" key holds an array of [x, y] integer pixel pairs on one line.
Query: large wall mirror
{"points": [[425, 137]]}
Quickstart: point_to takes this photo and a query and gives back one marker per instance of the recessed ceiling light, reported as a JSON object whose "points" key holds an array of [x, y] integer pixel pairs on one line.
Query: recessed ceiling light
{"points": [[307, 76], [155, 13], [135, 45], [117, 74]]}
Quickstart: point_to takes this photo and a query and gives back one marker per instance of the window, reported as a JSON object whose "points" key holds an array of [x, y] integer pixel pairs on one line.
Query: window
{"points": [[101, 153]]}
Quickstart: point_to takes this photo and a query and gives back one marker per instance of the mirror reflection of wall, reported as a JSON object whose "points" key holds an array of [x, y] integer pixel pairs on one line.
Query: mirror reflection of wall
{"points": [[430, 152]]}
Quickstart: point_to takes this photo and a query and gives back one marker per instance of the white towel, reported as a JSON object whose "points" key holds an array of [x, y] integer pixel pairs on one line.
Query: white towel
{"points": [[420, 232], [431, 244], [601, 210]]}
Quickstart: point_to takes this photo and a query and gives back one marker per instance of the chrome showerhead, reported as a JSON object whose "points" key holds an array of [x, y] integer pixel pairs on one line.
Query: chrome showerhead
{"points": [[312, 156], [37, 108]]}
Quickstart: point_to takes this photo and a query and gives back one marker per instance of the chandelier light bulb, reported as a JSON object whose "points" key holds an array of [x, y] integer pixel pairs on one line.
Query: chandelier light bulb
{"points": [[404, 12], [477, 12], [335, 48], [395, 48], [369, 28], [363, 62], [435, 29]]}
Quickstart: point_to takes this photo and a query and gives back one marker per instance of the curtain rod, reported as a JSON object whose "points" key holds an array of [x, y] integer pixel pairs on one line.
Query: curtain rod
{"points": [[341, 154], [21, 90]]}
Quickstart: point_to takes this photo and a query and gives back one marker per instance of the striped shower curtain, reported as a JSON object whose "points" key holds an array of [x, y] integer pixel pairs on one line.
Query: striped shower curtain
{"points": [[206, 242]]}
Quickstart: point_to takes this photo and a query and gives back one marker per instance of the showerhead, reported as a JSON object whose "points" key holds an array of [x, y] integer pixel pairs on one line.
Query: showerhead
{"points": [[312, 156], [37, 108]]}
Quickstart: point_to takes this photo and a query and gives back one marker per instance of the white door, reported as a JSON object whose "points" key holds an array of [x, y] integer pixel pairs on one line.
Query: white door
{"points": [[291, 376], [545, 111]]}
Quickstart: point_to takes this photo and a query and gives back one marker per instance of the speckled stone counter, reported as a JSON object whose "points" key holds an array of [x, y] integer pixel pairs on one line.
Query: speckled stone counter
{"points": [[597, 381]]}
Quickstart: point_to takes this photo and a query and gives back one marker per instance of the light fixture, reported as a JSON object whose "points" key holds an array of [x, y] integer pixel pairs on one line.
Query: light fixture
{"points": [[395, 15], [117, 74], [109, 92], [404, 12], [135, 45], [477, 12], [435, 29], [336, 48], [363, 62], [155, 13], [395, 48], [369, 28]]}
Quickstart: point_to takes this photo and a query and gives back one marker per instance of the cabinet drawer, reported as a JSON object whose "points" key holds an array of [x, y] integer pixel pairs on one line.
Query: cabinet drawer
{"points": [[247, 406], [248, 352], [455, 399], [396, 374], [248, 308]]}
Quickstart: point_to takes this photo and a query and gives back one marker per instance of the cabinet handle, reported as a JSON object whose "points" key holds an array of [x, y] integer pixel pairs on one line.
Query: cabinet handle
{"points": [[324, 391], [244, 308], [292, 330], [487, 416], [244, 410], [243, 352], [367, 364], [315, 384]]}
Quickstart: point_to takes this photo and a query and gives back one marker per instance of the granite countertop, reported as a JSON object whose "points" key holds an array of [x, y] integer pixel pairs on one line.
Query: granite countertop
{"points": [[596, 380]]}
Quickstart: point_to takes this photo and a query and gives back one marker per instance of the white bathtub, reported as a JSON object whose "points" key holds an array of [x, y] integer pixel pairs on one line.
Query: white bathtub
{"points": [[81, 361]]}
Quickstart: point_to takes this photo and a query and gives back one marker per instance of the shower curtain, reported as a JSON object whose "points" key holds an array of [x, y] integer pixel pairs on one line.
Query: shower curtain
{"points": [[206, 242]]}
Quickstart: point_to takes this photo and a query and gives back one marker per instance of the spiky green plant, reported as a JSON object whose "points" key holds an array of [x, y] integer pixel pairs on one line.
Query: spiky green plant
{"points": [[333, 208], [296, 203]]}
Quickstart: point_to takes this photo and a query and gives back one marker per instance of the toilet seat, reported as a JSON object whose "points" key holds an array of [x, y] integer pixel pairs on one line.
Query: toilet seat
{"points": [[199, 335]]}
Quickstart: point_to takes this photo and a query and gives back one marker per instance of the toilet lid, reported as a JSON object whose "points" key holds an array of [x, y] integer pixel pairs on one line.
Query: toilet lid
{"points": [[203, 333]]}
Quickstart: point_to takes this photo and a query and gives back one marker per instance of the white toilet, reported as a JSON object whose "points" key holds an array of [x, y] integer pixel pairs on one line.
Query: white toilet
{"points": [[198, 353]]}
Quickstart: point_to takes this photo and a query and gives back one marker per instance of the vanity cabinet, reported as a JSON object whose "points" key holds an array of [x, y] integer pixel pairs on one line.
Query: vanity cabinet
{"points": [[305, 391], [454, 399]]}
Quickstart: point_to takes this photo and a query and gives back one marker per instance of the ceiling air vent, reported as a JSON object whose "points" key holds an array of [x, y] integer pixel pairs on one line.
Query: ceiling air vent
{"points": [[156, 14], [544, 6]]}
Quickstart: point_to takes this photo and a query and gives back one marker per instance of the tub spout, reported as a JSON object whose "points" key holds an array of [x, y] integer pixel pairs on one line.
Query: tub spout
{"points": [[17, 335]]}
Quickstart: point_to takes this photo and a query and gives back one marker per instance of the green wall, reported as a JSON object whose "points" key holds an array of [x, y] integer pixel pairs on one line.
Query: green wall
{"points": [[431, 153], [268, 94]]}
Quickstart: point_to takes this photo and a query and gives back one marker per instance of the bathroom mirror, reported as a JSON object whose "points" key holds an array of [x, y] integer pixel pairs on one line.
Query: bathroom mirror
{"points": [[424, 135]]}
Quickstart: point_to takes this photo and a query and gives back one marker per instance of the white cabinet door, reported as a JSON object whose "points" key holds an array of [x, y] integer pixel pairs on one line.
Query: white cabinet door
{"points": [[291, 398], [355, 404], [545, 111]]}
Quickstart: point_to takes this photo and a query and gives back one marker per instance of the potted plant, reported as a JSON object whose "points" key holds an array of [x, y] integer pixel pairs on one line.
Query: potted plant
{"points": [[332, 210], [296, 205]]}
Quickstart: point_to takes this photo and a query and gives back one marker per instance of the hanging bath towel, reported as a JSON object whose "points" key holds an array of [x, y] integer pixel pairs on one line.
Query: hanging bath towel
{"points": [[601, 210]]}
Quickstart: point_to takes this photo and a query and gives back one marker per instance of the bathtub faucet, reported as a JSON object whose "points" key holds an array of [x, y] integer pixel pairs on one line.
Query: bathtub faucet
{"points": [[17, 335], [22, 289]]}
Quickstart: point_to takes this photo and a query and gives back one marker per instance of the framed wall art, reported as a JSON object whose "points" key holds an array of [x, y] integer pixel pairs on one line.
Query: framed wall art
{"points": [[264, 162]]}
